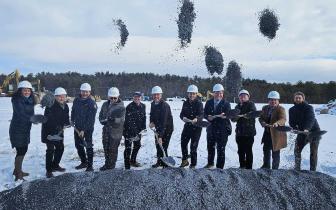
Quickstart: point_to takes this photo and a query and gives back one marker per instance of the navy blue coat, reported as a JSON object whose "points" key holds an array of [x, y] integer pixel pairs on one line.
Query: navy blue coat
{"points": [[20, 126], [58, 117], [245, 127], [161, 116], [192, 110], [218, 124], [83, 114], [302, 117]]}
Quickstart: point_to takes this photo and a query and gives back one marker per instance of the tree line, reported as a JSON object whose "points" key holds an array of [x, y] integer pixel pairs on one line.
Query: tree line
{"points": [[174, 85]]}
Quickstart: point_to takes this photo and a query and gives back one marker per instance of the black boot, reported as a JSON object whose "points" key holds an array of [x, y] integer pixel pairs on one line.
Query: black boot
{"points": [[82, 165]]}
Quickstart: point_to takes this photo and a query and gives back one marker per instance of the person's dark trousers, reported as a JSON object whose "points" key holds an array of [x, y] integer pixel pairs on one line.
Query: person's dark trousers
{"points": [[129, 153], [21, 151], [268, 150], [54, 154], [85, 156], [300, 143], [245, 153], [190, 134], [165, 144], [219, 140]]}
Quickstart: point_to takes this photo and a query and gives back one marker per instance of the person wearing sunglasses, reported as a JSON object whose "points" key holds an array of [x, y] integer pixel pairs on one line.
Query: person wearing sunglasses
{"points": [[112, 117]]}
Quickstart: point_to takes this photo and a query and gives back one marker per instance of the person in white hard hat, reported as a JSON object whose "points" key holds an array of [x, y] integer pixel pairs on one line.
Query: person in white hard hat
{"points": [[19, 130], [219, 128], [191, 113], [83, 115], [245, 130], [161, 118], [273, 115], [112, 117], [58, 119]]}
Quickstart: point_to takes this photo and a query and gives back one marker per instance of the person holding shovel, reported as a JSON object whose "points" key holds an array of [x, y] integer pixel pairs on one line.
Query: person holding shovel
{"points": [[245, 130], [53, 131], [273, 115], [162, 120], [301, 117], [83, 115], [19, 130], [219, 129], [135, 122], [191, 113], [112, 117]]}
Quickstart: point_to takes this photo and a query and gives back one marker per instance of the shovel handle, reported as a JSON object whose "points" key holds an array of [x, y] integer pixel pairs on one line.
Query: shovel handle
{"points": [[157, 140]]}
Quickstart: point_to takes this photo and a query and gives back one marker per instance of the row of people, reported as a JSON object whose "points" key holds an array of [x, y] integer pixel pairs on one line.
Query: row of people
{"points": [[130, 121]]}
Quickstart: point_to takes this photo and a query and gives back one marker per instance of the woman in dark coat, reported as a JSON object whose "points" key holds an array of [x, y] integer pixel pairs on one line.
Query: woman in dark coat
{"points": [[53, 132], [19, 131]]}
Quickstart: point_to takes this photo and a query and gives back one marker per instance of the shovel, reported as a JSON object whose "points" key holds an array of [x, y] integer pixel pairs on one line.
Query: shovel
{"points": [[232, 113], [310, 134], [167, 160], [38, 118], [200, 123], [251, 114]]}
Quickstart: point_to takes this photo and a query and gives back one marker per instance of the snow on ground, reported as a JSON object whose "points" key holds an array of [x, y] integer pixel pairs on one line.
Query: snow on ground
{"points": [[34, 162]]}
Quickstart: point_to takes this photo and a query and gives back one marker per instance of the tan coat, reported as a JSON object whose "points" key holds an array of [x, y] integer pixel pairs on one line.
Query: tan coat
{"points": [[279, 139]]}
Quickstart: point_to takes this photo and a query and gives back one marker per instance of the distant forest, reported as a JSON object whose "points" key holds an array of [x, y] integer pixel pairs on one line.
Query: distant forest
{"points": [[174, 85]]}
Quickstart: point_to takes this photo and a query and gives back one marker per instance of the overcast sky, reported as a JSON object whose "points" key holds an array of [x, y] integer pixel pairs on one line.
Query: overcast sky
{"points": [[78, 35]]}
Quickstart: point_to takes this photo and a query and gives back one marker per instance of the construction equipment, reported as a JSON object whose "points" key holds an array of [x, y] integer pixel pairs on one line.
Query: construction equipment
{"points": [[7, 86]]}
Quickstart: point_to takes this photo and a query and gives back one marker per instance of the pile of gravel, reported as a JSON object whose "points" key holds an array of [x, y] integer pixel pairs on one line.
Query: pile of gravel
{"points": [[185, 22], [123, 33], [176, 189], [213, 60], [268, 23]]}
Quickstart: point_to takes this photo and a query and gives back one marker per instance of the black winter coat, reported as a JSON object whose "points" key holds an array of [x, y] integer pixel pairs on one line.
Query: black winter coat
{"points": [[161, 116], [218, 124], [302, 117], [135, 119], [192, 110], [83, 113], [20, 126], [245, 127], [58, 117]]}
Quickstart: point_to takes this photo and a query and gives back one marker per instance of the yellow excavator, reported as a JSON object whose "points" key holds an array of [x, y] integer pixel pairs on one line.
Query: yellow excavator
{"points": [[10, 88], [208, 96]]}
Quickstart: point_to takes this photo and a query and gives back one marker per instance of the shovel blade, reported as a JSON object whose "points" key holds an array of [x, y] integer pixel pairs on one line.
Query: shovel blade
{"points": [[168, 161], [317, 134]]}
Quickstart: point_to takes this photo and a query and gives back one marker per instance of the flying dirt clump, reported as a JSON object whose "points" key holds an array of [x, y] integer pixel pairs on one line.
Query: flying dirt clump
{"points": [[123, 33], [213, 60], [185, 22], [268, 23]]}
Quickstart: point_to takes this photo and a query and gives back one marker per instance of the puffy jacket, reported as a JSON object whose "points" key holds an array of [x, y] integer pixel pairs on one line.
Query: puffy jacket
{"points": [[135, 119], [192, 110], [83, 113], [161, 116], [218, 124], [245, 127], [20, 126], [58, 117]]}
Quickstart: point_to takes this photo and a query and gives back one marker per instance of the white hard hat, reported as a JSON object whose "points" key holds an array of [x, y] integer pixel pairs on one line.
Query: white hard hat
{"points": [[243, 92], [192, 89], [273, 95], [85, 87], [25, 84], [60, 91], [217, 87], [156, 89], [113, 92]]}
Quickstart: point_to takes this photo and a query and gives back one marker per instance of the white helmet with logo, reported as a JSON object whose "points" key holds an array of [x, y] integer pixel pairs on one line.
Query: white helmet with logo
{"points": [[156, 90], [217, 87], [113, 92], [273, 95], [85, 87], [192, 89], [60, 91], [25, 84], [243, 92]]}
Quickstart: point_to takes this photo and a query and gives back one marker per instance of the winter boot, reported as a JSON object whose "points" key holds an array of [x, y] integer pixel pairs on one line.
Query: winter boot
{"points": [[104, 168], [209, 166], [89, 168], [58, 168], [80, 166], [49, 174], [18, 168], [135, 164], [157, 164], [184, 163]]}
